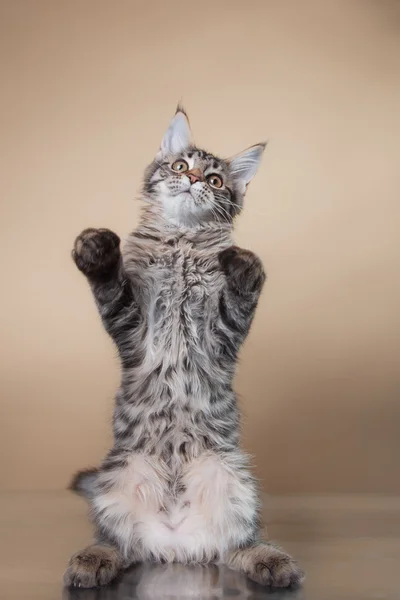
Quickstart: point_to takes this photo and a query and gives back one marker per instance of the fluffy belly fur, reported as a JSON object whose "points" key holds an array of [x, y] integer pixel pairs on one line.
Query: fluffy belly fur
{"points": [[197, 514]]}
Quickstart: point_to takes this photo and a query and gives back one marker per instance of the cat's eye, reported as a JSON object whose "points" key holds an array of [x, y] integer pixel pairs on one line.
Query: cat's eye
{"points": [[215, 181], [180, 166]]}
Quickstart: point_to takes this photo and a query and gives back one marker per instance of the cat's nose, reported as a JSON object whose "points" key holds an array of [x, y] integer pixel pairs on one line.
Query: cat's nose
{"points": [[195, 175]]}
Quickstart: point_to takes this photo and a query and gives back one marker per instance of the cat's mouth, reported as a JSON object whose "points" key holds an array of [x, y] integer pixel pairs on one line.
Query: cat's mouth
{"points": [[187, 187], [184, 194]]}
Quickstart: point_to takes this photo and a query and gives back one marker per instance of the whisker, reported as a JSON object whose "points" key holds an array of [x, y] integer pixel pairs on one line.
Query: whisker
{"points": [[217, 220], [223, 211]]}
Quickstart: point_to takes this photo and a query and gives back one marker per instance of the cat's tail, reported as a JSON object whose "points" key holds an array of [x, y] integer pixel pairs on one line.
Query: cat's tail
{"points": [[84, 483]]}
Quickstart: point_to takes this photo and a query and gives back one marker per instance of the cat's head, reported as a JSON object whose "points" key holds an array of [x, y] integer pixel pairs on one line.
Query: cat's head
{"points": [[192, 186]]}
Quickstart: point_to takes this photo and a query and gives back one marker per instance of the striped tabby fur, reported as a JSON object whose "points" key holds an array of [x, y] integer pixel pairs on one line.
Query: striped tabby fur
{"points": [[178, 303]]}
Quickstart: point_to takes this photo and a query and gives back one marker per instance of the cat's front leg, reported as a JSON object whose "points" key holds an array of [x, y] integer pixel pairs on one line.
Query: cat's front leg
{"points": [[245, 277], [97, 254]]}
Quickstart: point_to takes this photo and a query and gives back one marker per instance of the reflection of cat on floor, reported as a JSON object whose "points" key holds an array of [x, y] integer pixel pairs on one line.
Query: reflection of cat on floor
{"points": [[181, 582]]}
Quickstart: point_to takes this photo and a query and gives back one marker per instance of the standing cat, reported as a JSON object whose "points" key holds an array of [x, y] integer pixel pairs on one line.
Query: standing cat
{"points": [[178, 304]]}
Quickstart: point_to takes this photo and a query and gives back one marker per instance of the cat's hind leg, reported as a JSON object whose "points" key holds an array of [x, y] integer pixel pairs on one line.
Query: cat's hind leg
{"points": [[221, 489], [266, 564], [94, 566]]}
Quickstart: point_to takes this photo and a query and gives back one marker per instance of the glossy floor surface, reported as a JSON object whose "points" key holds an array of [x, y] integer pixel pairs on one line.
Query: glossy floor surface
{"points": [[349, 547]]}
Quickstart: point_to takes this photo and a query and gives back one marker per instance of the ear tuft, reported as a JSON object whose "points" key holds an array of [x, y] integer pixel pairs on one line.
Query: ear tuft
{"points": [[244, 166], [178, 136], [180, 109]]}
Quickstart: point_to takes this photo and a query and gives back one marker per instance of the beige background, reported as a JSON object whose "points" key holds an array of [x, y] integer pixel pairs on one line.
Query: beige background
{"points": [[88, 88]]}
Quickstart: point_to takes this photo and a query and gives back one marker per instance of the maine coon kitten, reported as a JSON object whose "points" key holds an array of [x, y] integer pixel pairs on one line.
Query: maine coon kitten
{"points": [[178, 303]]}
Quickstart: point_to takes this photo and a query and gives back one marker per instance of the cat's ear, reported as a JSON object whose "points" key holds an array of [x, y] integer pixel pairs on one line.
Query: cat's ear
{"points": [[244, 166], [178, 136]]}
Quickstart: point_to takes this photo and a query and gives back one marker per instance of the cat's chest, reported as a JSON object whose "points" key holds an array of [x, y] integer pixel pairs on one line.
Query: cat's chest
{"points": [[179, 282]]}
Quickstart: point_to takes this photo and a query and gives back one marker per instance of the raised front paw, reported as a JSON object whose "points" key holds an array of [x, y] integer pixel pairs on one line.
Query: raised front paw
{"points": [[96, 252], [95, 566], [243, 269]]}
